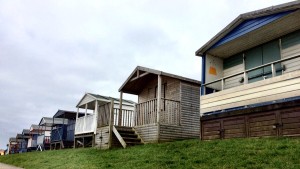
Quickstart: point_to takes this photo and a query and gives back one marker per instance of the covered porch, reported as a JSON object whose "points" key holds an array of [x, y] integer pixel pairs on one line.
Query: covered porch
{"points": [[101, 124], [167, 104]]}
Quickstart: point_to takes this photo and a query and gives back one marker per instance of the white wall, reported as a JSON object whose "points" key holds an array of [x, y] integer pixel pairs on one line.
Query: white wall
{"points": [[213, 71]]}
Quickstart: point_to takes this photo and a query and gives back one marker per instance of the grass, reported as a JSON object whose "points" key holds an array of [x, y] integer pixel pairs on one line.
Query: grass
{"points": [[233, 153]]}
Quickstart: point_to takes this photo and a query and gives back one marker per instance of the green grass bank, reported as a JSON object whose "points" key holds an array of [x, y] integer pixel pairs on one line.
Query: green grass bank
{"points": [[233, 153]]}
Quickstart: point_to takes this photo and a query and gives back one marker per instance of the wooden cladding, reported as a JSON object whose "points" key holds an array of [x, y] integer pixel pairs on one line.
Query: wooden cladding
{"points": [[283, 122]]}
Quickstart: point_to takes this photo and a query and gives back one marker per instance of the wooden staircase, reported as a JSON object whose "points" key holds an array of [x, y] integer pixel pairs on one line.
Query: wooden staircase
{"points": [[127, 136]]}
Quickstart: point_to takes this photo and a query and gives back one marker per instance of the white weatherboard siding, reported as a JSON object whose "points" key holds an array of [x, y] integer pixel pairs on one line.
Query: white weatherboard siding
{"points": [[294, 64], [233, 81]]}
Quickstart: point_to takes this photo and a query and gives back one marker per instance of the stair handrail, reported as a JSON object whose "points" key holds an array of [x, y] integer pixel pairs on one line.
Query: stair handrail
{"points": [[119, 137]]}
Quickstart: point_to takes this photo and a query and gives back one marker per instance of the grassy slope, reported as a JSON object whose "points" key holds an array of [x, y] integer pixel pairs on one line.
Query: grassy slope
{"points": [[235, 153]]}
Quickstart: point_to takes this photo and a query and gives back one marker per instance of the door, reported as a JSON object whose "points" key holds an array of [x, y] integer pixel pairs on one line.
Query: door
{"points": [[254, 58]]}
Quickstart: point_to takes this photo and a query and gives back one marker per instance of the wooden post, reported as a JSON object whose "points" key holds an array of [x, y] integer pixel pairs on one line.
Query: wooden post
{"points": [[158, 97], [84, 120], [273, 70], [158, 105], [245, 78], [120, 111], [96, 117], [111, 120], [245, 73], [77, 114], [222, 84]]}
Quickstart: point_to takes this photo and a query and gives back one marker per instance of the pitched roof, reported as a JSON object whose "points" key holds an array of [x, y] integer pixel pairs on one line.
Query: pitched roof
{"points": [[140, 75], [103, 99], [67, 114], [49, 121], [266, 15], [26, 131]]}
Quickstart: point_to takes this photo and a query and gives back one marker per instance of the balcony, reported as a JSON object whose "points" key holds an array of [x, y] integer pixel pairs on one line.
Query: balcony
{"points": [[271, 89]]}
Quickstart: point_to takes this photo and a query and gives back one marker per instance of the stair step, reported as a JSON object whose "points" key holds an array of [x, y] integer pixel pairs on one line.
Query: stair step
{"points": [[133, 143], [128, 134], [125, 129], [131, 139]]}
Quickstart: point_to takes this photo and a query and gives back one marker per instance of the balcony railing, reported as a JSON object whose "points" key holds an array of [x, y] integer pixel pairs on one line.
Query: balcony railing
{"points": [[146, 112], [246, 72], [85, 124], [88, 123]]}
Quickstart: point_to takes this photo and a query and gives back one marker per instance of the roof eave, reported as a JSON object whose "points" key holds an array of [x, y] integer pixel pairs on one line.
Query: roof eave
{"points": [[245, 16]]}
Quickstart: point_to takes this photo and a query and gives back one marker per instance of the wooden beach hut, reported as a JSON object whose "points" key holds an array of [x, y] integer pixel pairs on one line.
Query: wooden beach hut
{"points": [[99, 127], [168, 105], [23, 140], [62, 132], [13, 146], [251, 76], [32, 140], [44, 134]]}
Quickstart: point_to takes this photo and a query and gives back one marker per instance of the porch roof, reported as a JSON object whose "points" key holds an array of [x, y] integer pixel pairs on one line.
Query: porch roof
{"points": [[141, 76], [12, 139], [48, 121], [90, 99], [253, 28], [26, 132], [21, 136], [67, 114]]}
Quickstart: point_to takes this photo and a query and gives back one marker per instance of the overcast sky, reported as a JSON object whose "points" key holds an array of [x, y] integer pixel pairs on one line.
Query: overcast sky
{"points": [[52, 52]]}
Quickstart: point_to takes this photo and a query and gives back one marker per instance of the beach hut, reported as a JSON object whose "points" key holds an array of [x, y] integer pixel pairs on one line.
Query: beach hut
{"points": [[62, 134], [32, 140], [13, 146], [23, 140], [44, 132], [251, 76], [168, 105], [98, 127]]}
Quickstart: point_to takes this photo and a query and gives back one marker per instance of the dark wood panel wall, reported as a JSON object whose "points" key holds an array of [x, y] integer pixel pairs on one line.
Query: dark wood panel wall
{"points": [[271, 121]]}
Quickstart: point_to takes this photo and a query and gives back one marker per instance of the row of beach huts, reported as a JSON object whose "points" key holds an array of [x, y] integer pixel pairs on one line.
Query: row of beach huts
{"points": [[250, 87]]}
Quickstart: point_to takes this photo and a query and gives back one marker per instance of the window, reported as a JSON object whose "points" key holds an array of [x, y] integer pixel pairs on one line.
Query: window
{"points": [[260, 55]]}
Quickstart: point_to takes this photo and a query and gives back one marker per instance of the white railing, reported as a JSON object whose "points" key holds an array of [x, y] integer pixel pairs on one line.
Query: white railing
{"points": [[85, 124]]}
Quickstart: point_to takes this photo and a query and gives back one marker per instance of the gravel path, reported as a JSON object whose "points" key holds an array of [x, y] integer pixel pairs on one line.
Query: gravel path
{"points": [[6, 166]]}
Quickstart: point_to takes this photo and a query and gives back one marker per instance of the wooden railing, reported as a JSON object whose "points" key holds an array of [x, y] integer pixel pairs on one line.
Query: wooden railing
{"points": [[146, 112], [245, 73], [127, 117], [170, 112]]}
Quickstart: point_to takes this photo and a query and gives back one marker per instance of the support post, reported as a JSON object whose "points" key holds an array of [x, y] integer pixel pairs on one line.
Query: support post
{"points": [[245, 78], [273, 70], [245, 73], [111, 120], [120, 110], [158, 105], [158, 97], [84, 120], [222, 84], [96, 117]]}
